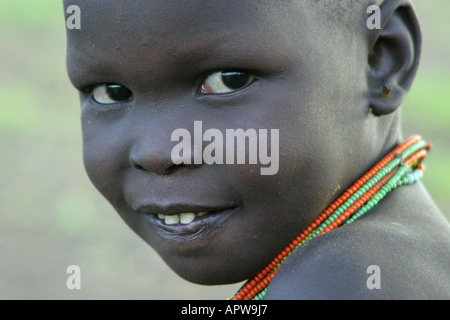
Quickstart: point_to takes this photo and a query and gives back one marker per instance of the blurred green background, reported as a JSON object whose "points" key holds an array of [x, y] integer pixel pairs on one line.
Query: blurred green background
{"points": [[51, 216]]}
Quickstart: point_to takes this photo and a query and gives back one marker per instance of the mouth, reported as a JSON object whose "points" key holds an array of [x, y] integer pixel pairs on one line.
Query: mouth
{"points": [[186, 223], [183, 218]]}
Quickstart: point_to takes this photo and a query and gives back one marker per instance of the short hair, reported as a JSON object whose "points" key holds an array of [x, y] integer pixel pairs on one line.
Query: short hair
{"points": [[347, 12]]}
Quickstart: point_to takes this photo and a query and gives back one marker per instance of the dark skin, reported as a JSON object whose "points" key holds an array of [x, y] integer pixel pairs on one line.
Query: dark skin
{"points": [[321, 89]]}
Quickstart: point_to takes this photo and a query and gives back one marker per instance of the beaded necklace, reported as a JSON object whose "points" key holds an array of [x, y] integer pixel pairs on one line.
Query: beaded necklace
{"points": [[402, 166]]}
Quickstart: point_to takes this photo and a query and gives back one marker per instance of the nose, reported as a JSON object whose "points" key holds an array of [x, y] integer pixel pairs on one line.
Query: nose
{"points": [[156, 157]]}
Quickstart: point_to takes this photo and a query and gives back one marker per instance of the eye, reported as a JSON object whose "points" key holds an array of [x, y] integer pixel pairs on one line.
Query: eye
{"points": [[226, 82], [111, 93]]}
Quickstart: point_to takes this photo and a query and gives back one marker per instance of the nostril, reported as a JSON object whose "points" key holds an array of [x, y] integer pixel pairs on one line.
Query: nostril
{"points": [[135, 164], [159, 165], [139, 167], [162, 168]]}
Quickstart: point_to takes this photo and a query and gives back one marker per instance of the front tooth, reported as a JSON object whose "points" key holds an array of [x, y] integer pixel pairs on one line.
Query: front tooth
{"points": [[187, 217], [172, 219]]}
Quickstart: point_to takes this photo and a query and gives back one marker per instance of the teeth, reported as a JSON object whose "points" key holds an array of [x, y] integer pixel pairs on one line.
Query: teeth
{"points": [[187, 217], [174, 219], [183, 218]]}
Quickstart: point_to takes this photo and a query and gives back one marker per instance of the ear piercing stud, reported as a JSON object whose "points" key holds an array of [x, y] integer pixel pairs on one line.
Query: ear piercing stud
{"points": [[386, 91]]}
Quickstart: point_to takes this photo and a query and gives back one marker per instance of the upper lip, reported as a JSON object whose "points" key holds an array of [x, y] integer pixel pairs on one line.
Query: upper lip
{"points": [[172, 209]]}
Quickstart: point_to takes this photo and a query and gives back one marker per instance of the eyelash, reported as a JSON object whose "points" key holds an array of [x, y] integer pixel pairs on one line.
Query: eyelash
{"points": [[242, 80], [242, 83]]}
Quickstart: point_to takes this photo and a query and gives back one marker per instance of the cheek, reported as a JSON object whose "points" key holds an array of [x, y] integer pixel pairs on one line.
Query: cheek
{"points": [[105, 156]]}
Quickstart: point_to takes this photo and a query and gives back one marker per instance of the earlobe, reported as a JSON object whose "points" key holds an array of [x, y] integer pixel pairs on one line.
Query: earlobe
{"points": [[393, 58]]}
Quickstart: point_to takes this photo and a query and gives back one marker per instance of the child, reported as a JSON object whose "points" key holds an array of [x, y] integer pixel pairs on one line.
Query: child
{"points": [[311, 69]]}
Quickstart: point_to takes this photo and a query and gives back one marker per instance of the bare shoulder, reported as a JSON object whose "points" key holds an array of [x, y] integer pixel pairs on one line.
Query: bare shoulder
{"points": [[370, 259]]}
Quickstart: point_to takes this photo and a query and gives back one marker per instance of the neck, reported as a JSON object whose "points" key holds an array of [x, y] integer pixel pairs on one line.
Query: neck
{"points": [[407, 204], [401, 167]]}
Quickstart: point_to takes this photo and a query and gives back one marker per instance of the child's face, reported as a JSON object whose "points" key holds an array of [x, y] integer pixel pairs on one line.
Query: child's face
{"points": [[306, 77]]}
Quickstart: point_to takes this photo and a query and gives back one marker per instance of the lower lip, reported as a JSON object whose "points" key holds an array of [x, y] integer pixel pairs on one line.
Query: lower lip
{"points": [[197, 229]]}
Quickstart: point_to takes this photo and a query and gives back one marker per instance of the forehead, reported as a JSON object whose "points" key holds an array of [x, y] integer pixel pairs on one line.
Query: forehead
{"points": [[158, 31]]}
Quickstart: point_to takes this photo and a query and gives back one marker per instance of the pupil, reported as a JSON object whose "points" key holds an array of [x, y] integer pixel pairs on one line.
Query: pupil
{"points": [[235, 80], [118, 92]]}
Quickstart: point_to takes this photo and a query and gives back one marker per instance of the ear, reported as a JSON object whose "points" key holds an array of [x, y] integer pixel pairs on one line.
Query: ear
{"points": [[393, 56]]}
